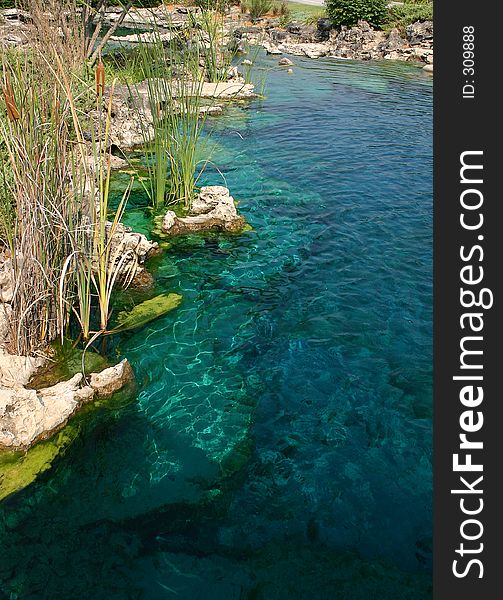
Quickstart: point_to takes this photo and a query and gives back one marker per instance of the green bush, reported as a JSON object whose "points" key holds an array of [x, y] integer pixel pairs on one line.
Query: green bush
{"points": [[349, 12], [410, 12]]}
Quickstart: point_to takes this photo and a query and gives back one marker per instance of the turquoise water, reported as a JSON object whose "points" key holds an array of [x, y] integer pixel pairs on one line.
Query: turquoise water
{"points": [[280, 443]]}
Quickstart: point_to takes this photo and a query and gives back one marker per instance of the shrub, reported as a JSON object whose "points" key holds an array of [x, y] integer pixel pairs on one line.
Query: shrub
{"points": [[402, 15], [349, 12], [256, 8]]}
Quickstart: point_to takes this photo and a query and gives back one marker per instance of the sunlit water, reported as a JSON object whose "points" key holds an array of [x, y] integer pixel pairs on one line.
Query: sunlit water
{"points": [[280, 443]]}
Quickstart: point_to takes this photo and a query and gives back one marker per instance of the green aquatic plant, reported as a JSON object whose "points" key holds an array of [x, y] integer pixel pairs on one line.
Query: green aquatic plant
{"points": [[173, 93], [216, 55]]}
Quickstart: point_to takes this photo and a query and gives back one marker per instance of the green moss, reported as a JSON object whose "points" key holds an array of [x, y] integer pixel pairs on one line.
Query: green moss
{"points": [[67, 362], [147, 311], [19, 469]]}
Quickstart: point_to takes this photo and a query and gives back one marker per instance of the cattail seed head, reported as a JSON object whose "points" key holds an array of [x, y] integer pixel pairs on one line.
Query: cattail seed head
{"points": [[100, 79], [10, 102]]}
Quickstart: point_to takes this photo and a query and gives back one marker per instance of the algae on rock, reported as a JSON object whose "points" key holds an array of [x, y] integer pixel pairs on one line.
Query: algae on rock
{"points": [[18, 469], [147, 311]]}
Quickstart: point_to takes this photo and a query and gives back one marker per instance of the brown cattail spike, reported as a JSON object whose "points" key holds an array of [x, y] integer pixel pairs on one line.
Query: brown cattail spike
{"points": [[10, 102], [100, 79]]}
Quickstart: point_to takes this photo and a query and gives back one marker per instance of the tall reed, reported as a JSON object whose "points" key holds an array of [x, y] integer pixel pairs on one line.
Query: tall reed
{"points": [[45, 192], [172, 96], [71, 28], [215, 52], [63, 257]]}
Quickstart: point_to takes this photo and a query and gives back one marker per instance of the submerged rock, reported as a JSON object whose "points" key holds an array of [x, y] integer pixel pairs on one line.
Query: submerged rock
{"points": [[213, 208], [19, 469], [147, 311]]}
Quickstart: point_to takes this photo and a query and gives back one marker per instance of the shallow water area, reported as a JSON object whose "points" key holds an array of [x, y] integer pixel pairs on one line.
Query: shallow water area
{"points": [[280, 444]]}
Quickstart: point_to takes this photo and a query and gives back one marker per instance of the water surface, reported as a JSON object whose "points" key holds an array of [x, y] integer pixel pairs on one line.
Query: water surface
{"points": [[280, 444]]}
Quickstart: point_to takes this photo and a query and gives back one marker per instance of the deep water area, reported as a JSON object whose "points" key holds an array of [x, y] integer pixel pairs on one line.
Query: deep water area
{"points": [[279, 447]]}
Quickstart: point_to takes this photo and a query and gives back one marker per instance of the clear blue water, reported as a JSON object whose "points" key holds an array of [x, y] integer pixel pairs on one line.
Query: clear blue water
{"points": [[280, 443]]}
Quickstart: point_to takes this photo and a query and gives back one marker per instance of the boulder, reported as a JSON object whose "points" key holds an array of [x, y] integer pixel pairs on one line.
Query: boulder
{"points": [[271, 48], [324, 27], [27, 416], [394, 41], [125, 239], [18, 370], [111, 380], [419, 32], [278, 35], [129, 251], [228, 90], [143, 38], [285, 62], [213, 208], [308, 49]]}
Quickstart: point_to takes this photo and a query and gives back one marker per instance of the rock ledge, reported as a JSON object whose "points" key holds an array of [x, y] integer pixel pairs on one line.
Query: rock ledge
{"points": [[27, 416], [213, 208]]}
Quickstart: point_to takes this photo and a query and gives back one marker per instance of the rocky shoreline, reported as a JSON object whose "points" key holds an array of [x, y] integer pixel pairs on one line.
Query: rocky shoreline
{"points": [[360, 42], [321, 39]]}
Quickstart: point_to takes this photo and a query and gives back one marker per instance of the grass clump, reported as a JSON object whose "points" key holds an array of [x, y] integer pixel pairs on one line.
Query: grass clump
{"points": [[256, 8], [174, 100]]}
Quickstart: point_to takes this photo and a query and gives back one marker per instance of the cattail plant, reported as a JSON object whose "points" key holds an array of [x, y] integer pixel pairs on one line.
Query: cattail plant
{"points": [[100, 78], [44, 192], [10, 102], [173, 99], [63, 260]]}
